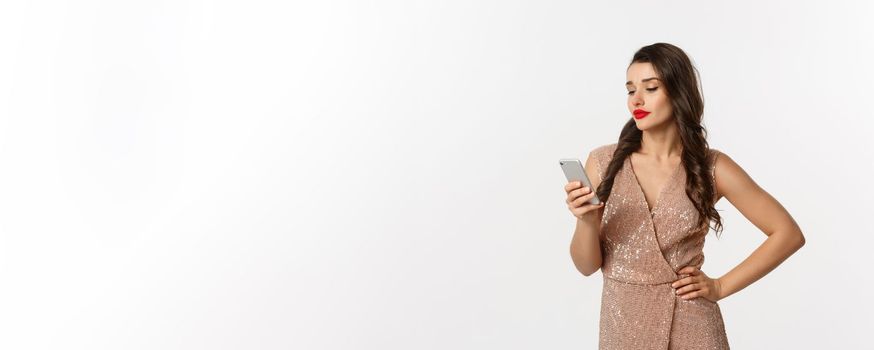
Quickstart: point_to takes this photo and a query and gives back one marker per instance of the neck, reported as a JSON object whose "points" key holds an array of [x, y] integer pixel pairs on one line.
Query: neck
{"points": [[662, 143]]}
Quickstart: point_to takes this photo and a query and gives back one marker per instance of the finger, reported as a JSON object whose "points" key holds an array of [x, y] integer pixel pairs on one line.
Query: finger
{"points": [[682, 282], [572, 195], [688, 270], [694, 294], [688, 288], [583, 199], [585, 202], [587, 208], [572, 186]]}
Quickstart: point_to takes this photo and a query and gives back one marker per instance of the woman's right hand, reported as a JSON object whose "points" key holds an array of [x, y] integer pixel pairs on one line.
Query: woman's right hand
{"points": [[577, 198]]}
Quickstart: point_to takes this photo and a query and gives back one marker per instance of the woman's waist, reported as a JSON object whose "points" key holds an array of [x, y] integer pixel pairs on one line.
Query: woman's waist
{"points": [[640, 281]]}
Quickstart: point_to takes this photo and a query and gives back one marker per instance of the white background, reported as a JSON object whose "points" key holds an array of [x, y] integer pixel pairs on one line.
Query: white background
{"points": [[384, 175]]}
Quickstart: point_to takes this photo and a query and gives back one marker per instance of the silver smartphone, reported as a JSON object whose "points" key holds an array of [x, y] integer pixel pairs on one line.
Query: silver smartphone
{"points": [[574, 171]]}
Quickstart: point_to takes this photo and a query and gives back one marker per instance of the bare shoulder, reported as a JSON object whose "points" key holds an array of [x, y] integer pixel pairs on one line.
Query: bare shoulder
{"points": [[730, 178]]}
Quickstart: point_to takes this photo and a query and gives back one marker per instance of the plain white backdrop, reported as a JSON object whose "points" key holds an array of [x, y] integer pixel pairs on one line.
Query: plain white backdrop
{"points": [[384, 174]]}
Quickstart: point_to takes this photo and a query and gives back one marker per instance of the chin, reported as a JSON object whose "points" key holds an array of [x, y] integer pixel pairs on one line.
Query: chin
{"points": [[641, 124], [647, 123]]}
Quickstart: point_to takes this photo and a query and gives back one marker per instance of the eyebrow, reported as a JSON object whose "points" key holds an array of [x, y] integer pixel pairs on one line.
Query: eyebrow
{"points": [[643, 81]]}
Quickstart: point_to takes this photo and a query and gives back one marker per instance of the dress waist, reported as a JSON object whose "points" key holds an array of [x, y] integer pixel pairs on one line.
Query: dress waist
{"points": [[641, 283]]}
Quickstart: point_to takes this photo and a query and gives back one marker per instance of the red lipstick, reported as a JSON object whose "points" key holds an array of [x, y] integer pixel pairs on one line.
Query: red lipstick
{"points": [[640, 114]]}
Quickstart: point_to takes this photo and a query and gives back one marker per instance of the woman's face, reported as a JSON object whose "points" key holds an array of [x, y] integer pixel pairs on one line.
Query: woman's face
{"points": [[646, 93]]}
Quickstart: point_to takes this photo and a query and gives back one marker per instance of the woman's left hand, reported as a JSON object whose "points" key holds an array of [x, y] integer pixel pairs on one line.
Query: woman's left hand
{"points": [[697, 284]]}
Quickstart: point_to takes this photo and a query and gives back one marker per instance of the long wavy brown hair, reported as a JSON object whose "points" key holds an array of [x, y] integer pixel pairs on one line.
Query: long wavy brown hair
{"points": [[680, 79]]}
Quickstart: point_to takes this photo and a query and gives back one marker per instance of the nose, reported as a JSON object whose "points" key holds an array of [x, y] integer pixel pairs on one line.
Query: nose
{"points": [[636, 100]]}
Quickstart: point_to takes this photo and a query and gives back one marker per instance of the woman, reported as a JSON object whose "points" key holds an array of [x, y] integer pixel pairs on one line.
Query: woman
{"points": [[658, 185]]}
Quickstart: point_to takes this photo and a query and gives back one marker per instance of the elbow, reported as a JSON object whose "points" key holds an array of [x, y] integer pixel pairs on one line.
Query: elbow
{"points": [[589, 271], [586, 264], [791, 238], [798, 239], [801, 240]]}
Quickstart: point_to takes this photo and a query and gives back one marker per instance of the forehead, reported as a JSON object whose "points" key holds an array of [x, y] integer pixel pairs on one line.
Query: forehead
{"points": [[640, 72]]}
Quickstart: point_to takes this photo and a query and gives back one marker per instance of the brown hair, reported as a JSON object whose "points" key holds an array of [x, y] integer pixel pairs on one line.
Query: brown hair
{"points": [[680, 80]]}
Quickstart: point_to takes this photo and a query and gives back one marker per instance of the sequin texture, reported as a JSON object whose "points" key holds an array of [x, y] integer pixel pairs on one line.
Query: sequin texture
{"points": [[642, 249]]}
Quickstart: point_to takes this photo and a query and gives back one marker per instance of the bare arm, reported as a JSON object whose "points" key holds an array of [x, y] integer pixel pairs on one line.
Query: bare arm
{"points": [[763, 211], [585, 246]]}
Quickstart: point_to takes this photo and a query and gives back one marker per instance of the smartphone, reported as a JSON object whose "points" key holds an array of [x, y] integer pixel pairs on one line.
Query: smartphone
{"points": [[574, 171]]}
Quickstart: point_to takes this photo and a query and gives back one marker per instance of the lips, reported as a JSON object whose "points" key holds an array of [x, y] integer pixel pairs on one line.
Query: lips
{"points": [[640, 114]]}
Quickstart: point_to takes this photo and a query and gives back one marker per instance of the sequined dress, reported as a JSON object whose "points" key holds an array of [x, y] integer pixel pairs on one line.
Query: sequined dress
{"points": [[642, 251]]}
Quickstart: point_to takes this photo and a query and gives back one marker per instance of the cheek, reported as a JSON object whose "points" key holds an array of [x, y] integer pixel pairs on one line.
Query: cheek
{"points": [[662, 103]]}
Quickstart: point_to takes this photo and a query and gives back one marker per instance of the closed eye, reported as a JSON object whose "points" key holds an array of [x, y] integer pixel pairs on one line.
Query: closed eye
{"points": [[648, 89]]}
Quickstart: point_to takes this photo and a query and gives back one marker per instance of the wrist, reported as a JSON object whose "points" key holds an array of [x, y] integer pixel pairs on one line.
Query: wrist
{"points": [[720, 291], [588, 218]]}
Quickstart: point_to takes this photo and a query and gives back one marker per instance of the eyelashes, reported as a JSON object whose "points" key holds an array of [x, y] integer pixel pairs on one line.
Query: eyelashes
{"points": [[649, 89]]}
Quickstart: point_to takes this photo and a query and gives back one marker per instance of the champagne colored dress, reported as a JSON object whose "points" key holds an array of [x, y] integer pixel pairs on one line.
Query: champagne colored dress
{"points": [[642, 251]]}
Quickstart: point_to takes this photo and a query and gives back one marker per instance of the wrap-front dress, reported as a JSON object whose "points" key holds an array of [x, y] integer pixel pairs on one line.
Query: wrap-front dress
{"points": [[642, 251]]}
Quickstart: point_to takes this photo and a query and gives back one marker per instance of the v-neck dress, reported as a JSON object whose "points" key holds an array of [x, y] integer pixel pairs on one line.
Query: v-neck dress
{"points": [[642, 251]]}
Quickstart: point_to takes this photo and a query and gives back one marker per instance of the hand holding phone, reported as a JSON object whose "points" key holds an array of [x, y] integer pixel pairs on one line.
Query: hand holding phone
{"points": [[581, 197]]}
